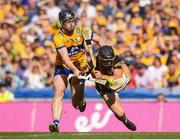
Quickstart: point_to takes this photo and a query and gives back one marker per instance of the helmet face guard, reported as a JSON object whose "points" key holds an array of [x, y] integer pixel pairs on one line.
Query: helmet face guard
{"points": [[68, 25], [106, 62], [67, 20], [106, 56]]}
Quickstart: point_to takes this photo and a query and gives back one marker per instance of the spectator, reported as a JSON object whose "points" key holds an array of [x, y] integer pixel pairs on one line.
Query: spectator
{"points": [[51, 8], [107, 10], [23, 66], [15, 63], [47, 69], [161, 98], [138, 30], [156, 72], [5, 94], [132, 83], [35, 76], [172, 78], [71, 5], [5, 66], [87, 8], [32, 9], [142, 78]]}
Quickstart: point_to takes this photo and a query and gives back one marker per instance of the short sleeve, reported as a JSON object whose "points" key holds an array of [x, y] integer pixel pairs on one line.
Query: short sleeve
{"points": [[58, 41], [117, 62]]}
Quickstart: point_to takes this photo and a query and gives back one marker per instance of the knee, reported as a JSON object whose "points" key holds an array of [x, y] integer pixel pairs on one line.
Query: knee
{"points": [[58, 94]]}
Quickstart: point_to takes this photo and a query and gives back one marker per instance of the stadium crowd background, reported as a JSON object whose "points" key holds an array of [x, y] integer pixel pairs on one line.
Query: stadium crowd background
{"points": [[144, 32]]}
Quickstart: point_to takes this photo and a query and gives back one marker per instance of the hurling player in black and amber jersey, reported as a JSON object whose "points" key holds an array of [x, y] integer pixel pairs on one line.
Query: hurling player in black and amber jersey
{"points": [[110, 67]]}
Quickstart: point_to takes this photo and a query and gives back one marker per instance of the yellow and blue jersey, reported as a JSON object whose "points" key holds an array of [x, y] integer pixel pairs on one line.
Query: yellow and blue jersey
{"points": [[75, 47], [74, 44]]}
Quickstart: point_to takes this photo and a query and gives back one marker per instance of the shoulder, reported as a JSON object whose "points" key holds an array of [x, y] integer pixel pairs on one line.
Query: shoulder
{"points": [[164, 68], [59, 39], [9, 93], [58, 34], [117, 59], [117, 62]]}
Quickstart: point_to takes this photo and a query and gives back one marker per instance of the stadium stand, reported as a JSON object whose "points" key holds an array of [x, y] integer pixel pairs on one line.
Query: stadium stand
{"points": [[141, 32]]}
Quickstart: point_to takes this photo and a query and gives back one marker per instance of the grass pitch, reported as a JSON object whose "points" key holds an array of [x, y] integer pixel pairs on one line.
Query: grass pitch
{"points": [[84, 135]]}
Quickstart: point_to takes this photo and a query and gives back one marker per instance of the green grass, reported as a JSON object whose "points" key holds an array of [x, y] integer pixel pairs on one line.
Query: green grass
{"points": [[77, 135]]}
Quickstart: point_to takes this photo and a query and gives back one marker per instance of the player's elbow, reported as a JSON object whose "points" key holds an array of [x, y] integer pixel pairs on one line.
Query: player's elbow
{"points": [[98, 39]]}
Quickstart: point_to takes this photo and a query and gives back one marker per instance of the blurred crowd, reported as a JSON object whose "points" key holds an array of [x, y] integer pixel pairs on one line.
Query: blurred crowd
{"points": [[144, 32]]}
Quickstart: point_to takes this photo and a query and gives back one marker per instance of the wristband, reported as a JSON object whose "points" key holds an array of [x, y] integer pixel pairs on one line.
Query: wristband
{"points": [[88, 42]]}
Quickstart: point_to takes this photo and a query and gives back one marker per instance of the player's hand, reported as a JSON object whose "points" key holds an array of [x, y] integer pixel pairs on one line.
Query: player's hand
{"points": [[76, 73], [85, 70], [97, 74]]}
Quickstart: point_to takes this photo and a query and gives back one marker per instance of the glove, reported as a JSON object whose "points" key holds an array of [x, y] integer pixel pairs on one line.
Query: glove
{"points": [[97, 74]]}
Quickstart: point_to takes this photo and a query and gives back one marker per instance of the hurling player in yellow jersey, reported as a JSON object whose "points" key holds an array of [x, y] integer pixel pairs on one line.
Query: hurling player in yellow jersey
{"points": [[70, 58]]}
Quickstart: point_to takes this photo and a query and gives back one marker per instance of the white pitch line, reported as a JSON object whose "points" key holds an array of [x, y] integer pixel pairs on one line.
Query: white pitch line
{"points": [[33, 116], [160, 120]]}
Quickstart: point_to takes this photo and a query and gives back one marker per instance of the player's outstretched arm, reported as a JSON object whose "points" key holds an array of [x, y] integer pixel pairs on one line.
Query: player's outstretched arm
{"points": [[96, 38], [118, 80], [89, 35]]}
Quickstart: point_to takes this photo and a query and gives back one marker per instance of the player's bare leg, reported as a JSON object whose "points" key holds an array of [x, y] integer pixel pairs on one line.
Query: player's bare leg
{"points": [[60, 84], [77, 89], [113, 102]]}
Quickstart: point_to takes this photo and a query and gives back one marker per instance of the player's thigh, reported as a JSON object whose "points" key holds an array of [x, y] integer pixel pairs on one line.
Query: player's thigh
{"points": [[60, 83], [113, 102]]}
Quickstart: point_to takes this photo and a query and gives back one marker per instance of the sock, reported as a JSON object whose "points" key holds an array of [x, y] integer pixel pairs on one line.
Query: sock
{"points": [[125, 121], [122, 118], [56, 122]]}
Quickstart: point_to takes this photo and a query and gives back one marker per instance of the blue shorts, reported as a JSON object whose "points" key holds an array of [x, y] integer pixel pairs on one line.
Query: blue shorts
{"points": [[62, 70]]}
